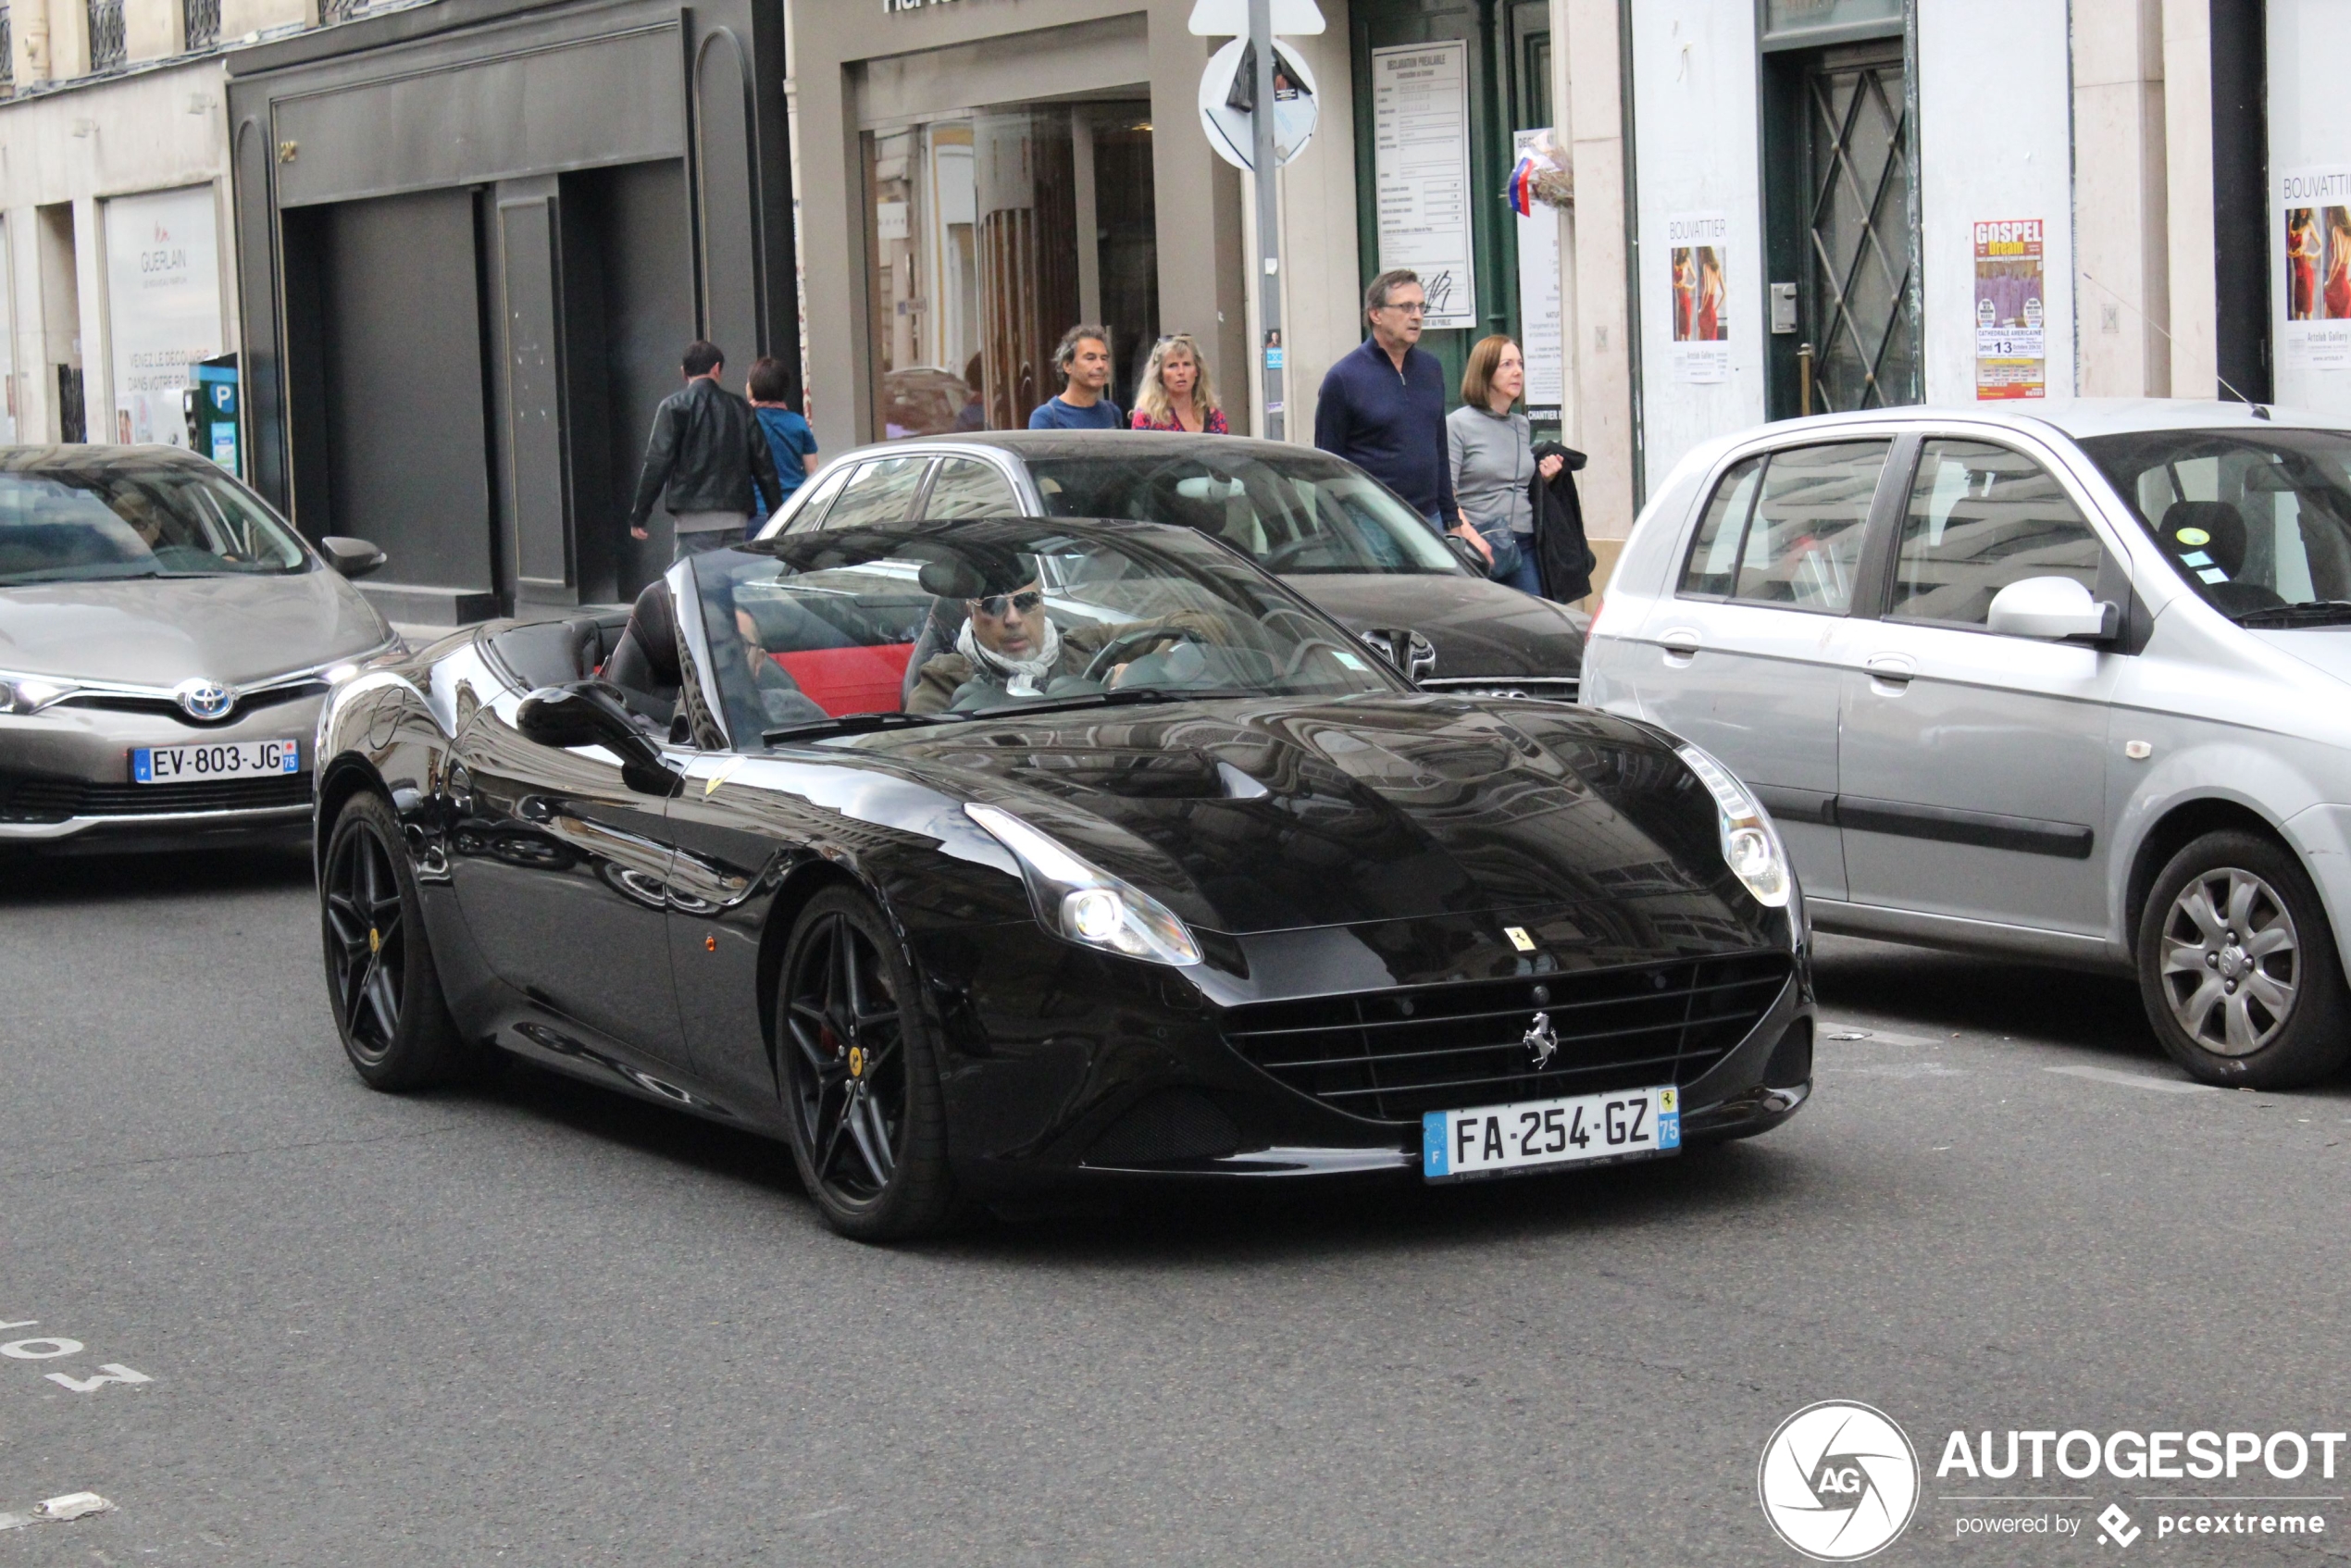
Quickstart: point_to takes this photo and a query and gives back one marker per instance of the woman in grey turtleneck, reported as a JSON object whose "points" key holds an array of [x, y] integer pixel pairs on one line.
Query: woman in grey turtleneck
{"points": [[1494, 464]]}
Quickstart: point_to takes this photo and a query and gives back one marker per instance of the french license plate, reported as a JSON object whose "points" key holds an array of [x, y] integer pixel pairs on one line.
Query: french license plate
{"points": [[228, 759], [1496, 1140]]}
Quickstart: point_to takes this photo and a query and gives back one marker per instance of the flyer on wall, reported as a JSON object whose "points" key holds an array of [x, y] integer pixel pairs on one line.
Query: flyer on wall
{"points": [[1420, 156], [1697, 251], [1540, 304], [2011, 337], [2314, 218]]}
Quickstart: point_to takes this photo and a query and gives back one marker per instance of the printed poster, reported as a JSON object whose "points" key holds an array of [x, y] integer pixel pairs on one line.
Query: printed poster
{"points": [[1420, 157], [2012, 341], [1695, 248], [1539, 304], [2314, 215], [162, 302]]}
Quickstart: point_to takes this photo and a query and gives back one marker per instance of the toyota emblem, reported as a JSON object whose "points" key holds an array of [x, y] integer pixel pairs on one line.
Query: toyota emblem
{"points": [[204, 699], [1541, 1040]]}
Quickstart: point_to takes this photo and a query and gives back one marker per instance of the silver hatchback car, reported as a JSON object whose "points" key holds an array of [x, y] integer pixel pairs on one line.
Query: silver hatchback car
{"points": [[2071, 685]]}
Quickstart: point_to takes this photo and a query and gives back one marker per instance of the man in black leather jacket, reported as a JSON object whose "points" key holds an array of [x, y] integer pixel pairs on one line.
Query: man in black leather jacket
{"points": [[706, 449]]}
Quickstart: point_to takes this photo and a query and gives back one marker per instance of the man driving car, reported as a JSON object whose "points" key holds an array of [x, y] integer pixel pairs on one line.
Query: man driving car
{"points": [[1008, 648]]}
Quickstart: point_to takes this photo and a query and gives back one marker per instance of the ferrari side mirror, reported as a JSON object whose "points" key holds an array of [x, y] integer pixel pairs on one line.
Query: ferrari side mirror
{"points": [[589, 712]]}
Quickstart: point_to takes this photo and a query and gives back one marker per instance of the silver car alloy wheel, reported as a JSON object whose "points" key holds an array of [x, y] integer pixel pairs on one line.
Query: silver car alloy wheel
{"points": [[2232, 962]]}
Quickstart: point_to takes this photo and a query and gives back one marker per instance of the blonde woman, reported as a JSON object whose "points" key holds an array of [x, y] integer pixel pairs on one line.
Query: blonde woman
{"points": [[1176, 394]]}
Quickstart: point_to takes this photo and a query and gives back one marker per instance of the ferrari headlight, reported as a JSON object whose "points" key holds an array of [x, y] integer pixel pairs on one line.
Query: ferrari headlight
{"points": [[1085, 903], [1750, 844], [30, 693]]}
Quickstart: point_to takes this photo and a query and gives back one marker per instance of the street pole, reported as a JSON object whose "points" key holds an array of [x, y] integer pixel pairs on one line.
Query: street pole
{"points": [[1266, 166]]}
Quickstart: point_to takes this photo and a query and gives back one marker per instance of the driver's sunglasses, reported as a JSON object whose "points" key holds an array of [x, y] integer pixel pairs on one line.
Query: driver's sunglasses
{"points": [[995, 605]]}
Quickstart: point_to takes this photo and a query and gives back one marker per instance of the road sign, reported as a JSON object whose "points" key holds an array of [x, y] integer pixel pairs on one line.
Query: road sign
{"points": [[1225, 101], [1229, 18]]}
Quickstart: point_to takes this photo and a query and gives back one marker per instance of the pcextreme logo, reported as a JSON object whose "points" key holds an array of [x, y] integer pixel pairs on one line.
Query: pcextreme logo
{"points": [[1839, 1481]]}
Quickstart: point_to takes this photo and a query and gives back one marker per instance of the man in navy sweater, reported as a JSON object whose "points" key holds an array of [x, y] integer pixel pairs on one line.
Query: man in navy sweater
{"points": [[1382, 407]]}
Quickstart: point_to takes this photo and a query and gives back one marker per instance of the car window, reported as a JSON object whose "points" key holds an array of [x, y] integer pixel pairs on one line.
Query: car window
{"points": [[1793, 537], [2257, 522], [1981, 517], [967, 487], [62, 523], [880, 491], [1714, 555], [812, 511], [1298, 513], [1804, 543]]}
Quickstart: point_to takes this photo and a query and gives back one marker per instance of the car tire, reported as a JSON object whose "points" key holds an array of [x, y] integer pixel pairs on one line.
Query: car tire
{"points": [[388, 1003], [2237, 966], [859, 1069]]}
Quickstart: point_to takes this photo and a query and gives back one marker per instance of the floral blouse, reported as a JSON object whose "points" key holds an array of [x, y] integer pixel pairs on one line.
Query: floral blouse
{"points": [[1213, 426]]}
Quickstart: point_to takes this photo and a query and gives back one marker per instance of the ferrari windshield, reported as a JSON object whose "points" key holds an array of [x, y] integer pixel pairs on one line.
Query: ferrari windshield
{"points": [[2259, 523], [919, 622], [135, 518], [1307, 514]]}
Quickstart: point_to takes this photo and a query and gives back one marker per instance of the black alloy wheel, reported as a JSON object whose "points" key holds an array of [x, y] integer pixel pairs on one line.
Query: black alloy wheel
{"points": [[388, 1003], [2237, 966], [860, 1075]]}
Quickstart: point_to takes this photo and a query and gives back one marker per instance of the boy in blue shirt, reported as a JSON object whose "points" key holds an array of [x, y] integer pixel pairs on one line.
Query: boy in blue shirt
{"points": [[1083, 359], [789, 435]]}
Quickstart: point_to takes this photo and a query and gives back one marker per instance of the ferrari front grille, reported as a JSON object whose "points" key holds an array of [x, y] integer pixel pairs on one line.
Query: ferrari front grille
{"points": [[1392, 1055]]}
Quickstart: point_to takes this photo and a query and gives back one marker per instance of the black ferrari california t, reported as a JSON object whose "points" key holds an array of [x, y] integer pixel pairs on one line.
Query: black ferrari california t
{"points": [[975, 857]]}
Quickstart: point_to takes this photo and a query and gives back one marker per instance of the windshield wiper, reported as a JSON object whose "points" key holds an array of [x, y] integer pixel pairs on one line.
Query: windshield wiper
{"points": [[1127, 697], [858, 724], [2319, 612]]}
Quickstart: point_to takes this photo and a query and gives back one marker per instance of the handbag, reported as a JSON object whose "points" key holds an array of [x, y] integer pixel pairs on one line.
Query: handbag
{"points": [[1504, 543]]}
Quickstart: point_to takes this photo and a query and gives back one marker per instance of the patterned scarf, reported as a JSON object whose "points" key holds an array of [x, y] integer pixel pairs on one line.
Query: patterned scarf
{"points": [[1020, 676]]}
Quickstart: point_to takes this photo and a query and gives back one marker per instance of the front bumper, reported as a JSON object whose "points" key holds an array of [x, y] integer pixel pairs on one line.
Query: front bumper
{"points": [[1118, 1072], [65, 777]]}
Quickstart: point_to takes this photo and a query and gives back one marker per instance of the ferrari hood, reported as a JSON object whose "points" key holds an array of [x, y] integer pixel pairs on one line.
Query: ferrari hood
{"points": [[159, 631], [1477, 628], [1251, 817]]}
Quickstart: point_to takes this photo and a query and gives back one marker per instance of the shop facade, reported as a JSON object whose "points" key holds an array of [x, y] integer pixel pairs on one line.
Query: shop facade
{"points": [[116, 271], [455, 336], [997, 172], [1834, 205]]}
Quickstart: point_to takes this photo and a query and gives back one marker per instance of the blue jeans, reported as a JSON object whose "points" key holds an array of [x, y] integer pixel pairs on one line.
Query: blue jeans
{"points": [[701, 541], [1525, 578]]}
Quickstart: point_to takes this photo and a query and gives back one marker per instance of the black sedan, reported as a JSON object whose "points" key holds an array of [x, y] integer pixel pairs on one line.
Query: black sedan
{"points": [[1148, 871], [1324, 525]]}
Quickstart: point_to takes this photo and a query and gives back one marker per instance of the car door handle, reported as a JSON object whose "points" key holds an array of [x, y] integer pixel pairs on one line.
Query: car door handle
{"points": [[1891, 669], [1681, 645]]}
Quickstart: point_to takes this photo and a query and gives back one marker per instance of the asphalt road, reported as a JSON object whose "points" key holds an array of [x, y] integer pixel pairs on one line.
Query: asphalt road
{"points": [[534, 1322]]}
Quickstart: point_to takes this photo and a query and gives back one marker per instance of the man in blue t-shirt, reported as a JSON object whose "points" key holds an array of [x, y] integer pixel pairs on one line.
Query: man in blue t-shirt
{"points": [[1084, 361], [789, 435]]}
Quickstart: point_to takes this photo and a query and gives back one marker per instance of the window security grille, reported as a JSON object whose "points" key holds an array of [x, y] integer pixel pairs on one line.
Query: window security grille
{"points": [[106, 35], [202, 19]]}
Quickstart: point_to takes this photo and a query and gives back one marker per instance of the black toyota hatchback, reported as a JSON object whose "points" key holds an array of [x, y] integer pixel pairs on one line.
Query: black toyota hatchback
{"points": [[976, 855], [1319, 523]]}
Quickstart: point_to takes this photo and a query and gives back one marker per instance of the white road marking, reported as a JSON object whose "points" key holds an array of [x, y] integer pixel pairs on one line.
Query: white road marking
{"points": [[110, 1372], [2134, 1081], [22, 1349]]}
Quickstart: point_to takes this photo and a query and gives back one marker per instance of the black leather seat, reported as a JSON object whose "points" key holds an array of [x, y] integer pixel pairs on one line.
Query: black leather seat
{"points": [[645, 662]]}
